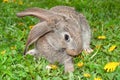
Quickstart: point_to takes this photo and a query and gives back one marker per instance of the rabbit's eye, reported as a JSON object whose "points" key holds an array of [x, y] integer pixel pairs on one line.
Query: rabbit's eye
{"points": [[67, 37]]}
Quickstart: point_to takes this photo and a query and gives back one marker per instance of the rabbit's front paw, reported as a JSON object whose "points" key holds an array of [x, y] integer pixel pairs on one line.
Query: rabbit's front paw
{"points": [[88, 50]]}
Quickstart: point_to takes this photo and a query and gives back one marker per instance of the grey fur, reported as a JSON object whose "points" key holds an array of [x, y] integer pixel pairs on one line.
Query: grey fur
{"points": [[58, 23]]}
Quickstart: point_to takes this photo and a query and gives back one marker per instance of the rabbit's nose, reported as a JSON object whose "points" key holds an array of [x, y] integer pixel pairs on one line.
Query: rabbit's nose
{"points": [[72, 52]]}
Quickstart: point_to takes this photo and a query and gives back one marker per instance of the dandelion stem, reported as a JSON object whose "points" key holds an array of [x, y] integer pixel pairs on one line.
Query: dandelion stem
{"points": [[94, 54]]}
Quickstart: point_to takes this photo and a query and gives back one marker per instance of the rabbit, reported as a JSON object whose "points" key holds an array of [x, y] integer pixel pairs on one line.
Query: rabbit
{"points": [[61, 34]]}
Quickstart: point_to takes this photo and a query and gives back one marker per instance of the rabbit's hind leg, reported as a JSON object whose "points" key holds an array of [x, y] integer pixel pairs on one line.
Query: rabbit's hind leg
{"points": [[32, 52]]}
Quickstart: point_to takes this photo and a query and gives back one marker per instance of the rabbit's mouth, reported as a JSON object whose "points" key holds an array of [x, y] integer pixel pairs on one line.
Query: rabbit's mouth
{"points": [[72, 52]]}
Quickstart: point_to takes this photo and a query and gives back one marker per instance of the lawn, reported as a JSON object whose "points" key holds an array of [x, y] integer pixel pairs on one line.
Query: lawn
{"points": [[103, 17]]}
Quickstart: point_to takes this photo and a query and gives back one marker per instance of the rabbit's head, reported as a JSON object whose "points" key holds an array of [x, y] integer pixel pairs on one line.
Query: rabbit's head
{"points": [[66, 33]]}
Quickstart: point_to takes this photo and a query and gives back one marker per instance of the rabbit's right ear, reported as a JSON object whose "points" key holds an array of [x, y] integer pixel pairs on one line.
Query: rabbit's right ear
{"points": [[37, 31]]}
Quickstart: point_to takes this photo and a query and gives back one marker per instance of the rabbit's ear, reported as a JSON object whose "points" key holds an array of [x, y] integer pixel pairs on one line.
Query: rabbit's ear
{"points": [[37, 31], [37, 12]]}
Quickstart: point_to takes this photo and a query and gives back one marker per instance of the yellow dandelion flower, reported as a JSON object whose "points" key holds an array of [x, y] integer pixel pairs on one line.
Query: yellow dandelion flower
{"points": [[101, 37], [5, 1], [54, 67], [111, 66], [31, 27], [112, 48], [3, 52], [13, 47], [80, 64], [20, 3], [51, 67], [97, 78], [87, 75]]}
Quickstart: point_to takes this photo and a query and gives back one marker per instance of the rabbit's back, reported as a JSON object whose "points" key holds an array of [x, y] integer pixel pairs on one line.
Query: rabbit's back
{"points": [[63, 9], [66, 11]]}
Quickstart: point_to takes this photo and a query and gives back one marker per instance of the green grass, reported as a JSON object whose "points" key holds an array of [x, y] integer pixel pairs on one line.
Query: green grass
{"points": [[104, 19]]}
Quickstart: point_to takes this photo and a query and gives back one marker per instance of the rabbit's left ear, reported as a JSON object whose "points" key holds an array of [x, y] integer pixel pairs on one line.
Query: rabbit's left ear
{"points": [[42, 14]]}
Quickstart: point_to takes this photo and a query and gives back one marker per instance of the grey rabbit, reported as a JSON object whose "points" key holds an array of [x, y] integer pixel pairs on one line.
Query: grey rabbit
{"points": [[61, 34]]}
